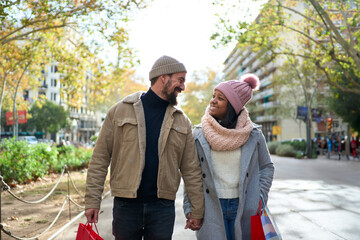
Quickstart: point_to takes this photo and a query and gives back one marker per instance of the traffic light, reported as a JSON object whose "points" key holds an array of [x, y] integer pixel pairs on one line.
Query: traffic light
{"points": [[329, 124]]}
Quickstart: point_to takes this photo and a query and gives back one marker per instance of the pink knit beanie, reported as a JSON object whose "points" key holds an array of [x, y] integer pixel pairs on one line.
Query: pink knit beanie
{"points": [[239, 92]]}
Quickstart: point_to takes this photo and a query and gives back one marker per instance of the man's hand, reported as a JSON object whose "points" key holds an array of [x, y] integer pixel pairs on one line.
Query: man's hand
{"points": [[92, 215], [192, 223]]}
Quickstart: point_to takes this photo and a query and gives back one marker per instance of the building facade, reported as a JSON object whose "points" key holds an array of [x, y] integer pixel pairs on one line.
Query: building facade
{"points": [[84, 122]]}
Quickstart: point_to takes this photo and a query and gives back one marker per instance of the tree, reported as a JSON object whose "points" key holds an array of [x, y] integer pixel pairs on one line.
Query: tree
{"points": [[21, 19], [197, 94], [15, 73], [55, 27], [48, 116], [332, 32], [108, 84], [295, 86], [346, 105]]}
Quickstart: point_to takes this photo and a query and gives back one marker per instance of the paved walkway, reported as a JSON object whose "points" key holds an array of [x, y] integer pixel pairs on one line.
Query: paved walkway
{"points": [[105, 218], [303, 209]]}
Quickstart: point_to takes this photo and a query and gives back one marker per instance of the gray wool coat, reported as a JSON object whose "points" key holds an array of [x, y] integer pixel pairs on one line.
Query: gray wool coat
{"points": [[256, 176]]}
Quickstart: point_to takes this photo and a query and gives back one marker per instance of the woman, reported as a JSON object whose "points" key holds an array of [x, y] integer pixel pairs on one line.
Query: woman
{"points": [[235, 162]]}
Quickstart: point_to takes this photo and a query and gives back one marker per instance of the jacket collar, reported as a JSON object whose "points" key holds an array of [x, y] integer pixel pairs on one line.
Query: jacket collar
{"points": [[135, 97]]}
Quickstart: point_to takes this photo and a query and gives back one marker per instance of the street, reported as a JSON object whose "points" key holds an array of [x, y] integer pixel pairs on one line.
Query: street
{"points": [[310, 199]]}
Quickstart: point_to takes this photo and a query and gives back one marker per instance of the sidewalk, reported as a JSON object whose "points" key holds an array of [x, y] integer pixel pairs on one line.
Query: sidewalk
{"points": [[305, 208], [105, 219], [302, 209]]}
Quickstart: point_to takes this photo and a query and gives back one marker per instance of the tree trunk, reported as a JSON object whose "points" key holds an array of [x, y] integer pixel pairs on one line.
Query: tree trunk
{"points": [[15, 126], [2, 98]]}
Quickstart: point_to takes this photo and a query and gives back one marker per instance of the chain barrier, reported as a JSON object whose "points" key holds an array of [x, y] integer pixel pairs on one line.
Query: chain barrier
{"points": [[5, 187], [40, 200]]}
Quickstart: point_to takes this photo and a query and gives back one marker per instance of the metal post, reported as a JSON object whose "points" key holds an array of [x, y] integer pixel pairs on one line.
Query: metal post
{"points": [[308, 138], [1, 189], [68, 185], [347, 143]]}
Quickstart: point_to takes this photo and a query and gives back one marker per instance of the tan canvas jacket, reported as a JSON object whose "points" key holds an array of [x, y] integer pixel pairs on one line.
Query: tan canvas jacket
{"points": [[122, 141]]}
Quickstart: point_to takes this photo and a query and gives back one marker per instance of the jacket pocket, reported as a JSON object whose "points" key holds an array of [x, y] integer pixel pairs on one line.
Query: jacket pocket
{"points": [[127, 129], [177, 136]]}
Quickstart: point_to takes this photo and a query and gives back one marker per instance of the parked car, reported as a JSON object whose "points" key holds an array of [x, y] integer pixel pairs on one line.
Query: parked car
{"points": [[29, 139], [298, 139]]}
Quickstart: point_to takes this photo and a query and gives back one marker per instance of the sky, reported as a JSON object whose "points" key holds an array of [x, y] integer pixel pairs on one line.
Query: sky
{"points": [[180, 29]]}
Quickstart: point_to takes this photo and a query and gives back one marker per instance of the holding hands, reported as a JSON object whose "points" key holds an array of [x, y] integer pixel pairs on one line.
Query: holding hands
{"points": [[192, 223]]}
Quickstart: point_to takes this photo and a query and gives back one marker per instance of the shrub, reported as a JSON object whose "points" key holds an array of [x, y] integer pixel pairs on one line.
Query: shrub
{"points": [[21, 162], [299, 154], [299, 145], [93, 138], [272, 146], [74, 158], [44, 157], [285, 150]]}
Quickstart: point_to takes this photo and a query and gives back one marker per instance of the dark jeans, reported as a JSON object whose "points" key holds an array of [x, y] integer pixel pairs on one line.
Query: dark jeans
{"points": [[229, 208], [152, 220]]}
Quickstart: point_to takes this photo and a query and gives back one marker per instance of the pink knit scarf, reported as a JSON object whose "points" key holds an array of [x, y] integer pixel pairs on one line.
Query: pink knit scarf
{"points": [[224, 139]]}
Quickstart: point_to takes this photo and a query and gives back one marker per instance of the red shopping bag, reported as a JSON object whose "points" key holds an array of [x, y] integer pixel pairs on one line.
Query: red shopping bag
{"points": [[85, 232], [263, 226], [257, 231]]}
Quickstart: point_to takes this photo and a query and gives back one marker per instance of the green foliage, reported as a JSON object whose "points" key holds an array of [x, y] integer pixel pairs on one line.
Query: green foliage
{"points": [[198, 94], [299, 145], [93, 138], [291, 28], [285, 150], [346, 105], [272, 146], [299, 154], [48, 116], [288, 148], [20, 162], [74, 158]]}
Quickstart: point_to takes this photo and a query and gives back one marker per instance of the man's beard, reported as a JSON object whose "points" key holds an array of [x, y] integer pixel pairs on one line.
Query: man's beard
{"points": [[171, 98]]}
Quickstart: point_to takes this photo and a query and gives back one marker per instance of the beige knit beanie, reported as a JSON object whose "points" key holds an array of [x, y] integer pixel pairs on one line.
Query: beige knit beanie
{"points": [[166, 65]]}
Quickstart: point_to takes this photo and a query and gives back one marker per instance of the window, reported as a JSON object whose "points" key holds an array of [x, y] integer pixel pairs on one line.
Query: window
{"points": [[53, 97], [53, 82]]}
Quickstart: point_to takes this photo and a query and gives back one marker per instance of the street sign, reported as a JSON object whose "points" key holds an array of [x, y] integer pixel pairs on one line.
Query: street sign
{"points": [[276, 130], [302, 113]]}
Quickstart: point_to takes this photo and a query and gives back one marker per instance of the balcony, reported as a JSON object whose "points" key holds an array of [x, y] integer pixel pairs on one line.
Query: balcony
{"points": [[44, 85], [267, 118], [263, 94], [264, 106]]}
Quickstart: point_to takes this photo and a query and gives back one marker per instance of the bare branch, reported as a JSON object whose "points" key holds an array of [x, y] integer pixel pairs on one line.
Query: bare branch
{"points": [[335, 84], [298, 13], [33, 31], [347, 48]]}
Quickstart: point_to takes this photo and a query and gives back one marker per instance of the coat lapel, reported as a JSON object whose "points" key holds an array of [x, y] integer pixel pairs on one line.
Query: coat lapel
{"points": [[206, 150]]}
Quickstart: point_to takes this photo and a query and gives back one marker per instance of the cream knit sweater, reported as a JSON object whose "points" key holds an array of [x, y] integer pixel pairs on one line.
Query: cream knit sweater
{"points": [[226, 169]]}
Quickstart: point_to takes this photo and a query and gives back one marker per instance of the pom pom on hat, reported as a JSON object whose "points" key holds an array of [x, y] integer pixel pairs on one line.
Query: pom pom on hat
{"points": [[252, 80], [239, 92]]}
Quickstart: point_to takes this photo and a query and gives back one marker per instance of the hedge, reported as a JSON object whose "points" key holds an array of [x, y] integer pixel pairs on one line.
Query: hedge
{"points": [[21, 162]]}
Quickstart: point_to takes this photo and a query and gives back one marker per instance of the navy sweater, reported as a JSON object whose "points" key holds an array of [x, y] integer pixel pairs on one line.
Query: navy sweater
{"points": [[154, 110]]}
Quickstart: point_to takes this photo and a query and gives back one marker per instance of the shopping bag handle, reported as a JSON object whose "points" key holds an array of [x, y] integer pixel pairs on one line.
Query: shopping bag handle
{"points": [[261, 205], [90, 224]]}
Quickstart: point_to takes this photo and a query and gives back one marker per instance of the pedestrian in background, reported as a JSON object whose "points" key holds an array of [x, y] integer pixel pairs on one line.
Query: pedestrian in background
{"points": [[147, 141], [235, 162]]}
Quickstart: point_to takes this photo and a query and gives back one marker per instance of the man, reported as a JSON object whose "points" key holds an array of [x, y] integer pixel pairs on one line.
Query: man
{"points": [[150, 146]]}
